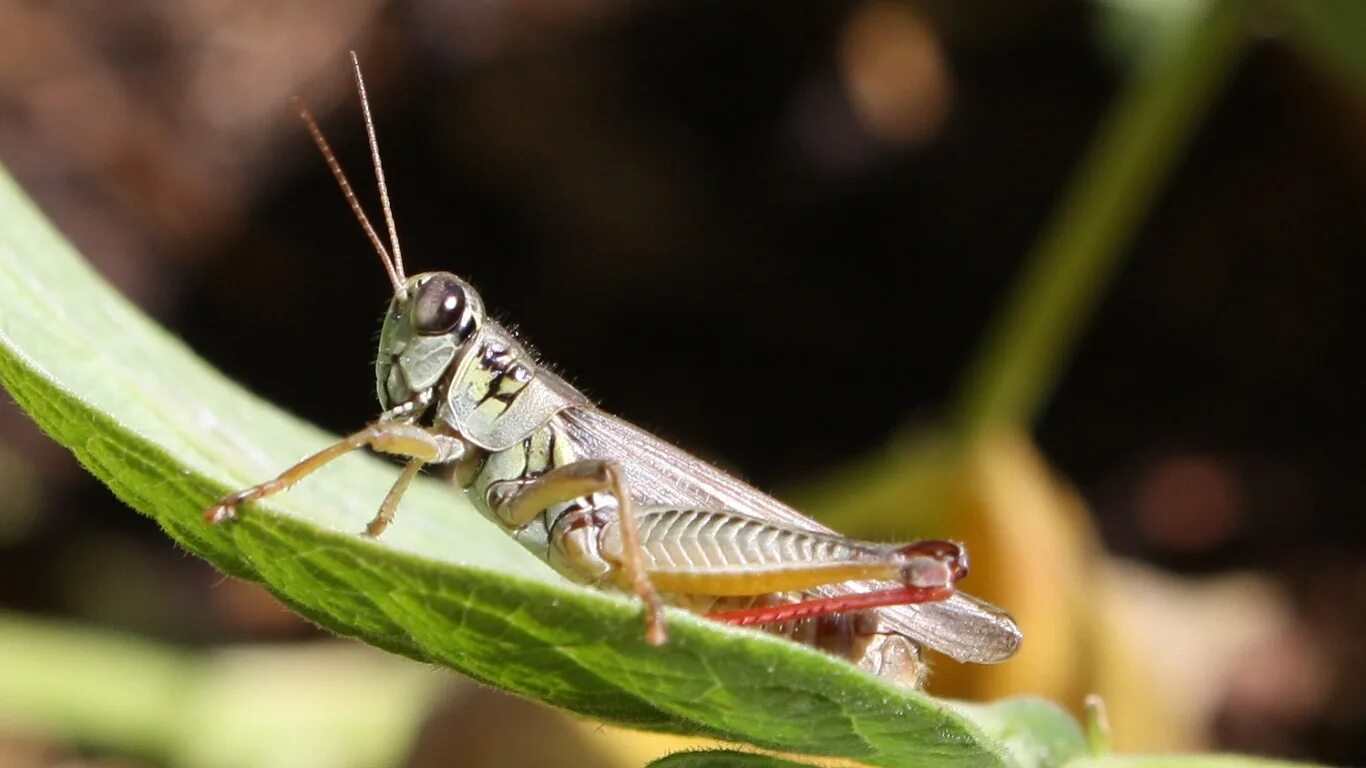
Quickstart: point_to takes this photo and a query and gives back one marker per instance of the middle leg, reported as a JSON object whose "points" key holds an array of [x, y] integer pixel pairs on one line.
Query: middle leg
{"points": [[517, 503]]}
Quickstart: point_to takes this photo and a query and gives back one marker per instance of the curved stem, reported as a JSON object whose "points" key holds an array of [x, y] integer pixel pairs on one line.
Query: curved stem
{"points": [[1069, 268], [96, 687]]}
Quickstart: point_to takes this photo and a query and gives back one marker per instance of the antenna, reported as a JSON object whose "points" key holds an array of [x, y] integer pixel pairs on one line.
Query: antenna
{"points": [[379, 167], [394, 274]]}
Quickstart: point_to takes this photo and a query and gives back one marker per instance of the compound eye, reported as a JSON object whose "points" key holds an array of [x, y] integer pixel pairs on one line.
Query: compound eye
{"points": [[439, 306]]}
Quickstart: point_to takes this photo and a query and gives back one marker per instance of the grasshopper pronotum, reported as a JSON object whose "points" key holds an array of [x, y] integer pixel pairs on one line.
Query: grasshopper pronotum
{"points": [[608, 504]]}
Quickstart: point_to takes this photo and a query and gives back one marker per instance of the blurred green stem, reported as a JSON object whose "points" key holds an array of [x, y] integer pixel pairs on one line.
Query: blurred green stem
{"points": [[97, 687], [329, 703], [1067, 271]]}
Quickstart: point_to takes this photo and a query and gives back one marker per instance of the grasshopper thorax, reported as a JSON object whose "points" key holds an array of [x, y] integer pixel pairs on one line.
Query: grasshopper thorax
{"points": [[428, 324]]}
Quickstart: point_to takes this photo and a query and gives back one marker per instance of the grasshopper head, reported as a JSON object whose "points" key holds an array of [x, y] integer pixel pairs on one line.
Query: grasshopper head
{"points": [[428, 323], [432, 315]]}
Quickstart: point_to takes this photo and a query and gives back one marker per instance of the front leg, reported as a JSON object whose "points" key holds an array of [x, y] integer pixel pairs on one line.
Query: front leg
{"points": [[517, 504], [421, 445]]}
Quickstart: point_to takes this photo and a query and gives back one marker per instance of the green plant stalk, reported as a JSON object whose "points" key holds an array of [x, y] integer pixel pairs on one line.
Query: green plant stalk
{"points": [[261, 706], [97, 687], [1068, 270]]}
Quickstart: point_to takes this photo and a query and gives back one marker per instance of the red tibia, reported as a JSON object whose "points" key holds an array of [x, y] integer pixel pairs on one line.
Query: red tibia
{"points": [[830, 606]]}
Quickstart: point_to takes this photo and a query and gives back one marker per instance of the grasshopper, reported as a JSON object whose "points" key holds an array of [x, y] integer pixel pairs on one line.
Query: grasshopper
{"points": [[609, 505]]}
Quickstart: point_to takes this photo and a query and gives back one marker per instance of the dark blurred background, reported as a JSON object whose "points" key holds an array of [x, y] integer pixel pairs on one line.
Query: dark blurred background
{"points": [[825, 202]]}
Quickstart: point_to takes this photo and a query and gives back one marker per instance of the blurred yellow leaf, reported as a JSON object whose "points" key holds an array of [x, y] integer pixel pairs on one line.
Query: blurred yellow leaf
{"points": [[1034, 552]]}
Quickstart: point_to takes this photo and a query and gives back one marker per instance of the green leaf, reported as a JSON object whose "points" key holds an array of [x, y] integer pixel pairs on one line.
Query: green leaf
{"points": [[1033, 734], [1182, 761], [168, 434], [724, 758]]}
